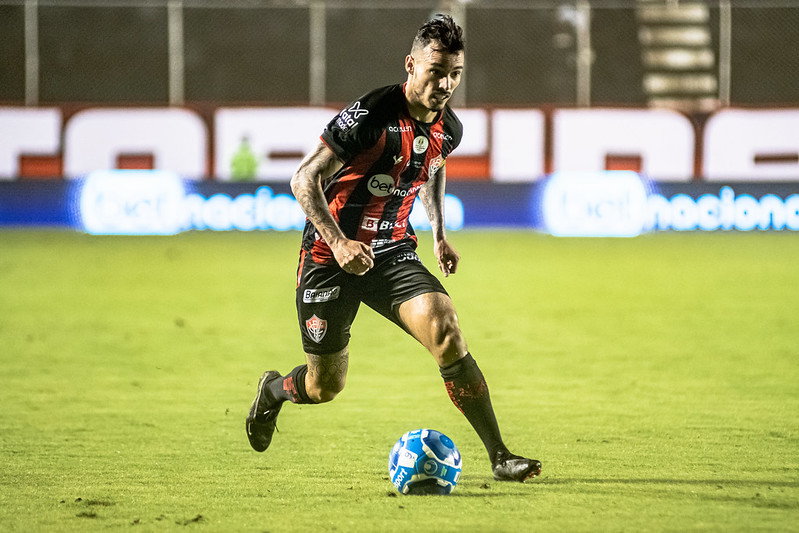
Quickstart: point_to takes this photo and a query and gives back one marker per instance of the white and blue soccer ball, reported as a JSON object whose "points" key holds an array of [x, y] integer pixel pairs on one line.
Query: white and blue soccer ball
{"points": [[424, 461]]}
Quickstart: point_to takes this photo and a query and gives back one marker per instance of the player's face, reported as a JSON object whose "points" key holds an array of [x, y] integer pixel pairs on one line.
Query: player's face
{"points": [[433, 75]]}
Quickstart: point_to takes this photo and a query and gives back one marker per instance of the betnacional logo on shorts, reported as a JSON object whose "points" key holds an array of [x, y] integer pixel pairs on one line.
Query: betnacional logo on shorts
{"points": [[315, 296], [381, 185], [420, 144], [316, 328]]}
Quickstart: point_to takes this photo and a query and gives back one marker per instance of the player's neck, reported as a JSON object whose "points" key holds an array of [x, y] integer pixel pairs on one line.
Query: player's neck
{"points": [[420, 113]]}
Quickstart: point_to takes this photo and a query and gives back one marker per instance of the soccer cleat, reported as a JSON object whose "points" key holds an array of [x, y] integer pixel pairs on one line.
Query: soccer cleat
{"points": [[262, 420], [509, 467]]}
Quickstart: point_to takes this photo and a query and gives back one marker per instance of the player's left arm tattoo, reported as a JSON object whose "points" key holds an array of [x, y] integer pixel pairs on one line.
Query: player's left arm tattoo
{"points": [[432, 196]]}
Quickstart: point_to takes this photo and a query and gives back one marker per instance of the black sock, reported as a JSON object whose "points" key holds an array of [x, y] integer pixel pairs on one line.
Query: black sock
{"points": [[291, 387], [468, 390]]}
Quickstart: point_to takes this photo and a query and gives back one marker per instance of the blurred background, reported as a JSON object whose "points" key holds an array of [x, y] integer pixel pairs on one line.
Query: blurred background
{"points": [[698, 55], [698, 93]]}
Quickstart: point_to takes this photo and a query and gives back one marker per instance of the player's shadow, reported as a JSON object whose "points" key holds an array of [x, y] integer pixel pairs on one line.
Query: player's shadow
{"points": [[665, 481], [491, 489]]}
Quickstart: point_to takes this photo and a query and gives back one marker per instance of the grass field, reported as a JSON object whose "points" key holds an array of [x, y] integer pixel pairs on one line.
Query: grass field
{"points": [[657, 379]]}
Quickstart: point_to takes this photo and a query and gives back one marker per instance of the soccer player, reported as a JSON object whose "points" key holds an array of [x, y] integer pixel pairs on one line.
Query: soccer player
{"points": [[357, 189]]}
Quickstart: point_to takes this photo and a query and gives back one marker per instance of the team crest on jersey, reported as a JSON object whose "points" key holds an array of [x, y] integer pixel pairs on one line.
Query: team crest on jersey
{"points": [[435, 164], [420, 144], [316, 328]]}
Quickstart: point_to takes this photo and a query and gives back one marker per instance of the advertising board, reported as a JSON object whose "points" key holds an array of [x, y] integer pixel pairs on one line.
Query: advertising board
{"points": [[575, 204]]}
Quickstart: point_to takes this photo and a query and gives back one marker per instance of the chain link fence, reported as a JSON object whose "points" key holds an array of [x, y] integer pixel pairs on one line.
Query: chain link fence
{"points": [[519, 53]]}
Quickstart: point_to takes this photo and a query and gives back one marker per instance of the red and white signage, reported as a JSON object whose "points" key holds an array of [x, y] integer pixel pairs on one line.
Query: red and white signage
{"points": [[507, 145]]}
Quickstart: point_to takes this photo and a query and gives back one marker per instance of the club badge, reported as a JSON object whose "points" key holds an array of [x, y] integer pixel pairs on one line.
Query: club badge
{"points": [[435, 164], [316, 328]]}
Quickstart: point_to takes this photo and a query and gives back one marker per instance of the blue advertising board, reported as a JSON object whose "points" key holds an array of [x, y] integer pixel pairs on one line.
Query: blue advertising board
{"points": [[598, 204]]}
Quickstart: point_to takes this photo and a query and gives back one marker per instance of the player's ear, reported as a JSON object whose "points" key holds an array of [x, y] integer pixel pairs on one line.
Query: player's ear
{"points": [[409, 64]]}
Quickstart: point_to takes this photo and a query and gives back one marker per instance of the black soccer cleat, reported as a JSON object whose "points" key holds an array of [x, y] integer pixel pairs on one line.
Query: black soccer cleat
{"points": [[262, 420], [509, 467]]}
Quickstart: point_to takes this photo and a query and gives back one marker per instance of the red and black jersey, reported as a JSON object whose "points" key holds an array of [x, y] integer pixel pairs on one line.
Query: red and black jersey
{"points": [[387, 157]]}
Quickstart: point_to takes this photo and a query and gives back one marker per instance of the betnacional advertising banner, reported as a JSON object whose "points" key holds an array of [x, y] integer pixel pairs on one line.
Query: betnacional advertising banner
{"points": [[568, 204], [591, 172]]}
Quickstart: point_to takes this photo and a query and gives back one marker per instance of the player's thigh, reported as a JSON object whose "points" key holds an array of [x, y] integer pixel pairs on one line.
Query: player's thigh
{"points": [[431, 319], [326, 307]]}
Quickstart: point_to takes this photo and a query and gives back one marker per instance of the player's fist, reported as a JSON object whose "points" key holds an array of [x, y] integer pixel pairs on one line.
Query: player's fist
{"points": [[447, 257], [354, 257]]}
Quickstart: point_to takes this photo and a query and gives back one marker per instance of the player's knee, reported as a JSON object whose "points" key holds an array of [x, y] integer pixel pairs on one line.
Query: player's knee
{"points": [[448, 344]]}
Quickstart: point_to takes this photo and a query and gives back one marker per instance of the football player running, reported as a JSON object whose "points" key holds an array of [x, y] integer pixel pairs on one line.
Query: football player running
{"points": [[357, 188]]}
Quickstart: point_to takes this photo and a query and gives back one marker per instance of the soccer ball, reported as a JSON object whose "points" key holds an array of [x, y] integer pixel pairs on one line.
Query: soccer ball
{"points": [[424, 461]]}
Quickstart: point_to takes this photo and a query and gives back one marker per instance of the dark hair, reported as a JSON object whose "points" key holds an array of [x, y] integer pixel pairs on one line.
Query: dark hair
{"points": [[442, 30]]}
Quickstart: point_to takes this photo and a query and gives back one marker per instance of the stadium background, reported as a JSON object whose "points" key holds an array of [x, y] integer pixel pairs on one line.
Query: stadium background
{"points": [[208, 58], [655, 377], [121, 52]]}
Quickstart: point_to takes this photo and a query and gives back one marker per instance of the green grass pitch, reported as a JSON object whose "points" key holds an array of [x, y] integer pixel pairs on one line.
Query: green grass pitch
{"points": [[656, 378]]}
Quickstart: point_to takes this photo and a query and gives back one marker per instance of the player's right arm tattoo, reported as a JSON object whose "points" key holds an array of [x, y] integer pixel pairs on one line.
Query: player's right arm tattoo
{"points": [[306, 184]]}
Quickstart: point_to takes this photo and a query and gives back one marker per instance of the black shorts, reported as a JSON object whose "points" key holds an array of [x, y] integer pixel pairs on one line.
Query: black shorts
{"points": [[328, 298]]}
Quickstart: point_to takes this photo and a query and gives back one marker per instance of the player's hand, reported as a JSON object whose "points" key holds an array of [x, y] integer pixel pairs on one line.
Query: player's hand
{"points": [[354, 257], [447, 257]]}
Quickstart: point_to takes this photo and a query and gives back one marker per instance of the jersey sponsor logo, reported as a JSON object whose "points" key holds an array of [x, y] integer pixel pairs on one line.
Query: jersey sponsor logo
{"points": [[375, 224], [357, 111], [381, 185], [442, 136], [377, 243], [316, 328], [349, 117], [370, 223], [314, 296], [399, 129], [403, 194], [420, 144]]}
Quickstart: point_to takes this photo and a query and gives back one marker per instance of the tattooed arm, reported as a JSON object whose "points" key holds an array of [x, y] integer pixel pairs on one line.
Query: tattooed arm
{"points": [[432, 195], [353, 256]]}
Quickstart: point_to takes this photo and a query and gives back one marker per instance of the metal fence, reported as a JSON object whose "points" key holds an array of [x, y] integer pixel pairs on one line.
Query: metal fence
{"points": [[696, 55]]}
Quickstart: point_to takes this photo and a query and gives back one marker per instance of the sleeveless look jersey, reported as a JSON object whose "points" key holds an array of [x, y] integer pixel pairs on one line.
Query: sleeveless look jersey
{"points": [[387, 157]]}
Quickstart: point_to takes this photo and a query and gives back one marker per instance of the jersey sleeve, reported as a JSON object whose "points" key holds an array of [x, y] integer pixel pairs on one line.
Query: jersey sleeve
{"points": [[454, 127], [356, 128]]}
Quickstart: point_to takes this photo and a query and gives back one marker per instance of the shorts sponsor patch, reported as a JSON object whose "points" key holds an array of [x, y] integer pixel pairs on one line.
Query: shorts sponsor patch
{"points": [[316, 328], [405, 256], [315, 296]]}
